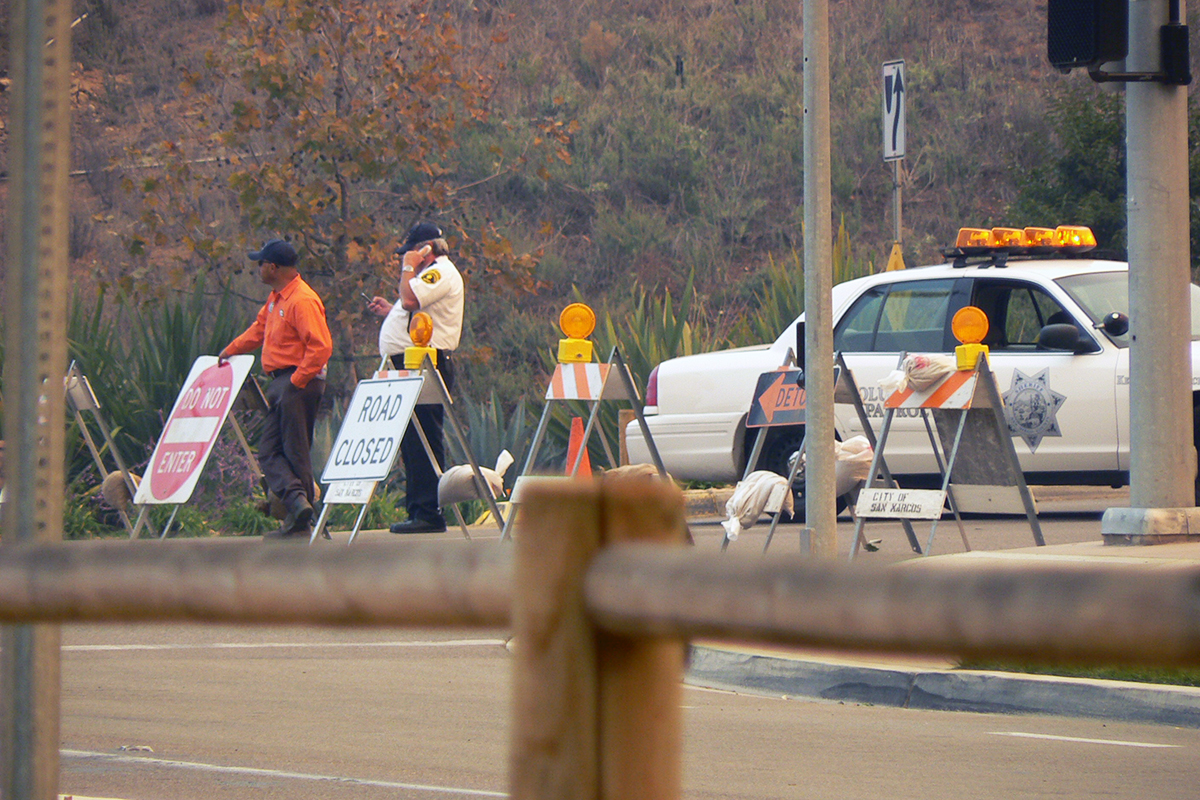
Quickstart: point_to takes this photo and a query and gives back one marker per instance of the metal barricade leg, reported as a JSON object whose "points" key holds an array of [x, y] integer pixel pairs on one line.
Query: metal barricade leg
{"points": [[775, 518]]}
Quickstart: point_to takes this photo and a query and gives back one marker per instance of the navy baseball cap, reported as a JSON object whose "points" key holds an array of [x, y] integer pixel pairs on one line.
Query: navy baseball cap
{"points": [[277, 251], [421, 232]]}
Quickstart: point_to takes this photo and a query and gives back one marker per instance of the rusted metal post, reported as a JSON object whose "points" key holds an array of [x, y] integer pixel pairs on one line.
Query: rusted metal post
{"points": [[36, 349]]}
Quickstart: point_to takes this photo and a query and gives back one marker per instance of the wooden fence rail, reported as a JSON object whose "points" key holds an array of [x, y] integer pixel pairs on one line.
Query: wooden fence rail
{"points": [[226, 580], [601, 606], [1080, 612]]}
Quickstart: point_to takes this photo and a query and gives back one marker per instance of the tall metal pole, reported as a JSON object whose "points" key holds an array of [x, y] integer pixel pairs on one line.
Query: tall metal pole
{"points": [[35, 363], [819, 503], [1162, 458]]}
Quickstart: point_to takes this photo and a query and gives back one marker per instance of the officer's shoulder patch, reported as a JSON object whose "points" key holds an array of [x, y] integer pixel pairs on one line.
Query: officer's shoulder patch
{"points": [[431, 276]]}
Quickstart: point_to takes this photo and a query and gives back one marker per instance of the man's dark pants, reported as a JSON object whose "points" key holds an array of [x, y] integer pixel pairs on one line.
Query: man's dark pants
{"points": [[285, 446], [421, 480]]}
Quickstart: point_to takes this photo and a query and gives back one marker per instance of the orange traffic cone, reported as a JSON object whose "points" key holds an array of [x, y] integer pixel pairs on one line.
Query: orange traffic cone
{"points": [[573, 445]]}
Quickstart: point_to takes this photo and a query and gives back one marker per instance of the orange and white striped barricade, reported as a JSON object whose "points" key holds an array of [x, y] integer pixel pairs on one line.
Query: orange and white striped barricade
{"points": [[972, 447], [591, 383], [368, 443]]}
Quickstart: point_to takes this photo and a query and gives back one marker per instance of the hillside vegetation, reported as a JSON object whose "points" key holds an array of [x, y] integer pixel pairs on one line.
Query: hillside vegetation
{"points": [[591, 150], [644, 157]]}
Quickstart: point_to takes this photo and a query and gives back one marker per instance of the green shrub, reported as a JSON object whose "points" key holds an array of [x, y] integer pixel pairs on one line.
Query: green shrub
{"points": [[491, 429], [243, 518], [382, 510], [190, 521], [82, 514]]}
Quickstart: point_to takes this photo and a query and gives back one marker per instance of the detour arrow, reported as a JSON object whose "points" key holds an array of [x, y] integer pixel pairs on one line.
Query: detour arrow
{"points": [[778, 400]]}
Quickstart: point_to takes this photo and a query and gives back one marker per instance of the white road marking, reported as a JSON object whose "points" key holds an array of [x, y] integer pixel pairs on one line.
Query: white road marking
{"points": [[712, 689], [1115, 742], [275, 773], [96, 648]]}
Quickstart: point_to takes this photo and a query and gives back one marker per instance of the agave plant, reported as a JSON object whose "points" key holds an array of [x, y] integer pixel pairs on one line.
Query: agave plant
{"points": [[491, 430], [780, 297]]}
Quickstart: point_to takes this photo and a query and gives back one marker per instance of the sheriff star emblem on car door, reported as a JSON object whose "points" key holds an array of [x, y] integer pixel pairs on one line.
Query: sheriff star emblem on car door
{"points": [[1031, 407]]}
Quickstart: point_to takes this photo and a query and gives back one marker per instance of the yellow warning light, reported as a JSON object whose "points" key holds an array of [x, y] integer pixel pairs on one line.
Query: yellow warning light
{"points": [[1039, 237], [577, 322], [420, 330], [973, 239], [1074, 237], [1007, 238], [969, 325]]}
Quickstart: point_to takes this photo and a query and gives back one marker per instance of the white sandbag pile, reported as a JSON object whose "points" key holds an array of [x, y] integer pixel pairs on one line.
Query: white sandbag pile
{"points": [[457, 484]]}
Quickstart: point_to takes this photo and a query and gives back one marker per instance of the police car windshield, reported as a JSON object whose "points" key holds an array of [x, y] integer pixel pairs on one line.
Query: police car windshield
{"points": [[1099, 293]]}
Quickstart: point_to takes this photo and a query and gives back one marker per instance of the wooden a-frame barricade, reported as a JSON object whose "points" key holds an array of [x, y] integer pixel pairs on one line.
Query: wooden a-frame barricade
{"points": [[591, 383], [793, 413], [432, 391], [972, 447], [81, 398]]}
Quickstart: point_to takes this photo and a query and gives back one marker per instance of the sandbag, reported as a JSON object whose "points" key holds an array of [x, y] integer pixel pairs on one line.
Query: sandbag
{"points": [[918, 371], [750, 498], [852, 464], [457, 484]]}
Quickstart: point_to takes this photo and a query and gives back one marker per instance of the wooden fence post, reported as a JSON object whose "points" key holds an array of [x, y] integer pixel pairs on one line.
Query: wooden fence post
{"points": [[553, 752], [640, 677], [595, 716]]}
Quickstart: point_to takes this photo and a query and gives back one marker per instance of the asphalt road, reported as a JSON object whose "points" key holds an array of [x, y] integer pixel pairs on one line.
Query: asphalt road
{"points": [[216, 713], [1066, 514], [211, 713]]}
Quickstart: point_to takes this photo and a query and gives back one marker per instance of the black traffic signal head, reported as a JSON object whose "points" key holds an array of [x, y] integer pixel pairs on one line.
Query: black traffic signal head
{"points": [[1086, 33]]}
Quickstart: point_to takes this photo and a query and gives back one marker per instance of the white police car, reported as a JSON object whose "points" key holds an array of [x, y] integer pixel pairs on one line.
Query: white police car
{"points": [[1059, 353]]}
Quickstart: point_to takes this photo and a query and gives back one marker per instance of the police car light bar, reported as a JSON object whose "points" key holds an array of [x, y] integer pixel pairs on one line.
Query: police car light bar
{"points": [[999, 243]]}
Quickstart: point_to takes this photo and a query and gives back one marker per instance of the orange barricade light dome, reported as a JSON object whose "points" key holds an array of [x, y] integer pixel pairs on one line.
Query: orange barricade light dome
{"points": [[420, 329], [577, 322], [970, 326]]}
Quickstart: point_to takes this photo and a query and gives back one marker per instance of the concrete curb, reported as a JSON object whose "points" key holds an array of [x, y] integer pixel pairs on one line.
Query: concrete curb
{"points": [[707, 502], [946, 690]]}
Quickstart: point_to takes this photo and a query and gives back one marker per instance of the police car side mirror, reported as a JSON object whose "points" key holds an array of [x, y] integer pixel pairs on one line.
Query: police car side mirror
{"points": [[1063, 336], [1115, 323]]}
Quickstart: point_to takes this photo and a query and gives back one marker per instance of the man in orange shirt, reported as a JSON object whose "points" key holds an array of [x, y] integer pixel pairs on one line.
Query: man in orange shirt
{"points": [[296, 345]]}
